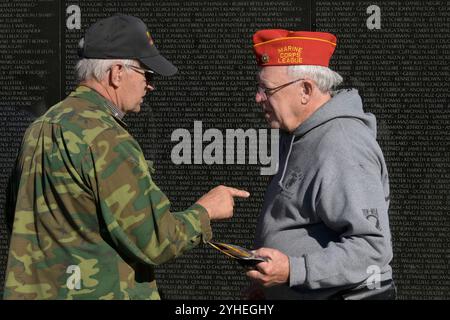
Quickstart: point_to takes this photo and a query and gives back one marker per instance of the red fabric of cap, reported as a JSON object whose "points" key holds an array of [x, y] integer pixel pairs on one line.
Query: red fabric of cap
{"points": [[278, 47]]}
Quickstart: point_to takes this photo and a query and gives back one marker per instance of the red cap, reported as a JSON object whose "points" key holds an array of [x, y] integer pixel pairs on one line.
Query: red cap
{"points": [[278, 47]]}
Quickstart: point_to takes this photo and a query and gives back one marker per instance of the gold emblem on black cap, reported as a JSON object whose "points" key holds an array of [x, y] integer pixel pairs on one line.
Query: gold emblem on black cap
{"points": [[265, 58]]}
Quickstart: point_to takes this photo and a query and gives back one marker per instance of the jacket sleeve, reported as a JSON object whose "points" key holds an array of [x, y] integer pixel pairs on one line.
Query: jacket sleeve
{"points": [[353, 203], [135, 213]]}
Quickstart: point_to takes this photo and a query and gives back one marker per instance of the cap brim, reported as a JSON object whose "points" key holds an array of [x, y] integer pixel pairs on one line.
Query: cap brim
{"points": [[160, 65]]}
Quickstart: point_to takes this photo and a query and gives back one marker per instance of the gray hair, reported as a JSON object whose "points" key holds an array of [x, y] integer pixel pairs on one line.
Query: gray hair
{"points": [[87, 68], [325, 78]]}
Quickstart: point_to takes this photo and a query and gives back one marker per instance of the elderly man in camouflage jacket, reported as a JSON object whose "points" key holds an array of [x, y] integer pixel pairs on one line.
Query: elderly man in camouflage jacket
{"points": [[89, 221]]}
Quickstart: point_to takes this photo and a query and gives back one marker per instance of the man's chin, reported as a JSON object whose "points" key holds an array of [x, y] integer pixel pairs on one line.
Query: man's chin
{"points": [[273, 124], [271, 121]]}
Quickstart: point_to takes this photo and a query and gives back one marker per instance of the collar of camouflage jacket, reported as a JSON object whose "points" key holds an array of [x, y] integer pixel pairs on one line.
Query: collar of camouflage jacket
{"points": [[87, 93]]}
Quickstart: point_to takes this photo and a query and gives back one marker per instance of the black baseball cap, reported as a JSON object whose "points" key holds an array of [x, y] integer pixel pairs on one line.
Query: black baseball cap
{"points": [[124, 37]]}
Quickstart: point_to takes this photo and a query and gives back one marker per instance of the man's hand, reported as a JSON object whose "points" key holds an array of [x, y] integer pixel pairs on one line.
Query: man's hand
{"points": [[219, 201], [273, 272]]}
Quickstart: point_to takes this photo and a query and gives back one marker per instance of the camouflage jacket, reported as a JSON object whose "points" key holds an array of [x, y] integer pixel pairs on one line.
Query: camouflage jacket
{"points": [[89, 221]]}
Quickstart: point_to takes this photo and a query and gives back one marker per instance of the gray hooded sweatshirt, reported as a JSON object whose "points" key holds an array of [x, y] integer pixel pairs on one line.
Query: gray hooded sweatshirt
{"points": [[327, 206]]}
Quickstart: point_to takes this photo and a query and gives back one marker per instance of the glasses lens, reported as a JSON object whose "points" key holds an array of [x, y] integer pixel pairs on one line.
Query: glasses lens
{"points": [[149, 77], [148, 74]]}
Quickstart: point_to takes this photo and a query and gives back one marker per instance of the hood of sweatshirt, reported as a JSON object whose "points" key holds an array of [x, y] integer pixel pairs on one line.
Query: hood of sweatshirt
{"points": [[344, 103]]}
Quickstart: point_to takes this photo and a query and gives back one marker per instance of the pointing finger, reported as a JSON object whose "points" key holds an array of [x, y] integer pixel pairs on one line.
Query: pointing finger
{"points": [[239, 193]]}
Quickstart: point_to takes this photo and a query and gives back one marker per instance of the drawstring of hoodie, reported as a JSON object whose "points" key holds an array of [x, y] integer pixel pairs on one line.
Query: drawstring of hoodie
{"points": [[286, 162]]}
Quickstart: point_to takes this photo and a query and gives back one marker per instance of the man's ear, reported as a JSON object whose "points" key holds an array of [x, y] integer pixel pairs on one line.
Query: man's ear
{"points": [[116, 75], [306, 90]]}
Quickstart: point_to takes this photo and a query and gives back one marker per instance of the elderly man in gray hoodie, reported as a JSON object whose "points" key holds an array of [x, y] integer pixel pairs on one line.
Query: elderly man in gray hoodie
{"points": [[324, 227]]}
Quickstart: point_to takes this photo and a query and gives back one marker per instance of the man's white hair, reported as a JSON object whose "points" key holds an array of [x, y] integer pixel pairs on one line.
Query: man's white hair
{"points": [[87, 68], [325, 78]]}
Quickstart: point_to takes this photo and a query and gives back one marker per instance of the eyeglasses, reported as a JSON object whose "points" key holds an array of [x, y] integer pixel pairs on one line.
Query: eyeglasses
{"points": [[149, 74], [267, 92]]}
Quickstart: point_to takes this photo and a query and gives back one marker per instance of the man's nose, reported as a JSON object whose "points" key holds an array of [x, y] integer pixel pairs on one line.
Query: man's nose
{"points": [[149, 88]]}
